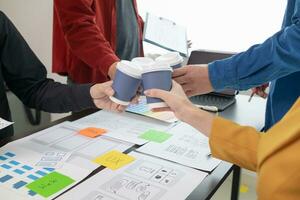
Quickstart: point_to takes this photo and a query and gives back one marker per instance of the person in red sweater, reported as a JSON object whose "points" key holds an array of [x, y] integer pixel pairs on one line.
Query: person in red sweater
{"points": [[91, 36]]}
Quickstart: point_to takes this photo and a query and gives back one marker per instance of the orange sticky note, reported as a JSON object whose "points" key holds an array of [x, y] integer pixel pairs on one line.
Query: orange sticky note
{"points": [[114, 160], [92, 132]]}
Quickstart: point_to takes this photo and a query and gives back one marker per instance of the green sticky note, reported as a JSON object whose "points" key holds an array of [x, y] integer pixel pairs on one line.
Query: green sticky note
{"points": [[155, 136], [50, 184]]}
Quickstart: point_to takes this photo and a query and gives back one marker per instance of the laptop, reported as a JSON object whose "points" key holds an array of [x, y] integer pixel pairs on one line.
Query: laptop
{"points": [[221, 99]]}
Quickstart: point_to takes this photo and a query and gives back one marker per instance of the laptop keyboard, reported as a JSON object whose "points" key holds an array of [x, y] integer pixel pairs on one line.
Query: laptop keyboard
{"points": [[220, 102]]}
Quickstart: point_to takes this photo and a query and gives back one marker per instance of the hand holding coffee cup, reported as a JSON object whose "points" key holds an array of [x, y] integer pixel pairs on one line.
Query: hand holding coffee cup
{"points": [[157, 76], [126, 82]]}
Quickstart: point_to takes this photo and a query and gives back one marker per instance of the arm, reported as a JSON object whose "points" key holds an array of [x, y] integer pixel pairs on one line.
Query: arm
{"points": [[228, 141], [25, 75], [83, 36], [234, 143], [278, 56]]}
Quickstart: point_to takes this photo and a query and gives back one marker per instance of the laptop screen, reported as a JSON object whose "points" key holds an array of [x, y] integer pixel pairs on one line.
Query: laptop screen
{"points": [[205, 57]]}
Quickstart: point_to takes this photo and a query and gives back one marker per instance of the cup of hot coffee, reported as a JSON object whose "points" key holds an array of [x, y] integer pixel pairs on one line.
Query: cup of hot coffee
{"points": [[157, 76], [126, 82]]}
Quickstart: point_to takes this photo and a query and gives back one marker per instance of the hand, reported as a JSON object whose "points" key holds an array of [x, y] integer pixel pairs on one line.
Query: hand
{"points": [[183, 108], [101, 93], [176, 99], [261, 90], [194, 79], [112, 70]]}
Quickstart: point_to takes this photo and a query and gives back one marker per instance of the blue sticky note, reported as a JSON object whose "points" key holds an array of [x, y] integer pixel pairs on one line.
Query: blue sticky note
{"points": [[41, 173], [5, 178], [3, 158], [19, 184], [18, 171], [13, 162], [5, 166], [9, 154], [32, 177], [27, 167]]}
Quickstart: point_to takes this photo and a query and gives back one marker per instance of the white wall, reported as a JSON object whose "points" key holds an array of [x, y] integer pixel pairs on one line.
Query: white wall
{"points": [[229, 25]]}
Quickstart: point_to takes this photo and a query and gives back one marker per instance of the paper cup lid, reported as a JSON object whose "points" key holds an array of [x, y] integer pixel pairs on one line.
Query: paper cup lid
{"points": [[157, 66], [172, 58], [130, 68], [142, 61]]}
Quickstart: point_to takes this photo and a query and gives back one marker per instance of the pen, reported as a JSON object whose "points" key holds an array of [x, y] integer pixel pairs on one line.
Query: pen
{"points": [[208, 108], [251, 96]]}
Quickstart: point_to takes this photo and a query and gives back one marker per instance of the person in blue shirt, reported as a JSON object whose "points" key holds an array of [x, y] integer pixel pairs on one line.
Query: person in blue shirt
{"points": [[277, 60]]}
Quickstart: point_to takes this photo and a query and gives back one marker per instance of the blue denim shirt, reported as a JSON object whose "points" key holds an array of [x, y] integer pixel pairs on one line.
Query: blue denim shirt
{"points": [[277, 60]]}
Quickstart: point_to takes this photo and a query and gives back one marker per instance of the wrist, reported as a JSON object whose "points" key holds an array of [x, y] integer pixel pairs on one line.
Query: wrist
{"points": [[199, 119], [208, 83]]}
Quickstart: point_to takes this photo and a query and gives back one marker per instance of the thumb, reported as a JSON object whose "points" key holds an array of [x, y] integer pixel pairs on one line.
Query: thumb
{"points": [[109, 91]]}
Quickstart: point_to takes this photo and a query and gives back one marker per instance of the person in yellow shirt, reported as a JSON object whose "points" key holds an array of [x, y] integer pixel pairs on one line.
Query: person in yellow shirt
{"points": [[274, 155]]}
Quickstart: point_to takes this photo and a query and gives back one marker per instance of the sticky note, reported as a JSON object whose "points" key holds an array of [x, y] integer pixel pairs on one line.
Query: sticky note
{"points": [[155, 136], [92, 132], [50, 184], [244, 188], [114, 160]]}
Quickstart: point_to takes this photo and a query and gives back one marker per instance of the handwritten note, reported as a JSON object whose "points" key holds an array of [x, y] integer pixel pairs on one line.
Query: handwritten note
{"points": [[114, 160], [155, 136], [50, 184], [92, 132]]}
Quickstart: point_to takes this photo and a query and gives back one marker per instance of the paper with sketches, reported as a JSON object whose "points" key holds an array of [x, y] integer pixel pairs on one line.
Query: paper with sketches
{"points": [[146, 178], [187, 146], [125, 126]]}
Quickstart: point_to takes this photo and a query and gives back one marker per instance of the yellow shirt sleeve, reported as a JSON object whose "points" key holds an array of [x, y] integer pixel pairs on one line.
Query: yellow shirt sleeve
{"points": [[234, 143]]}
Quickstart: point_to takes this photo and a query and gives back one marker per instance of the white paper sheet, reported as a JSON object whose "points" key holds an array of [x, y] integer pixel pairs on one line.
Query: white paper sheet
{"points": [[17, 164], [187, 146], [126, 126], [147, 178], [4, 123], [166, 34], [65, 138]]}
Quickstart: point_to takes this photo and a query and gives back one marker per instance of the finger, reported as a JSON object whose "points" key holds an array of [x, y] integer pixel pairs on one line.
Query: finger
{"points": [[190, 93], [114, 107], [187, 87], [109, 92], [180, 72], [135, 100], [161, 94], [121, 108], [181, 80]]}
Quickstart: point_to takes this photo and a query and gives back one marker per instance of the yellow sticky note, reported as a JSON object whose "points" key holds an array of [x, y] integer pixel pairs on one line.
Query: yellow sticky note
{"points": [[114, 160], [244, 188]]}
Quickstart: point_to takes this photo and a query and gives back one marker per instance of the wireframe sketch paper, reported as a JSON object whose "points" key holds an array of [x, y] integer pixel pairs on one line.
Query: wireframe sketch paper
{"points": [[62, 144], [146, 178], [166, 34], [125, 126], [17, 171], [187, 146]]}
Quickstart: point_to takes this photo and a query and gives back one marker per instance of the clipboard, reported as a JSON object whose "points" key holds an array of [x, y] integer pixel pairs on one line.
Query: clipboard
{"points": [[165, 34]]}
